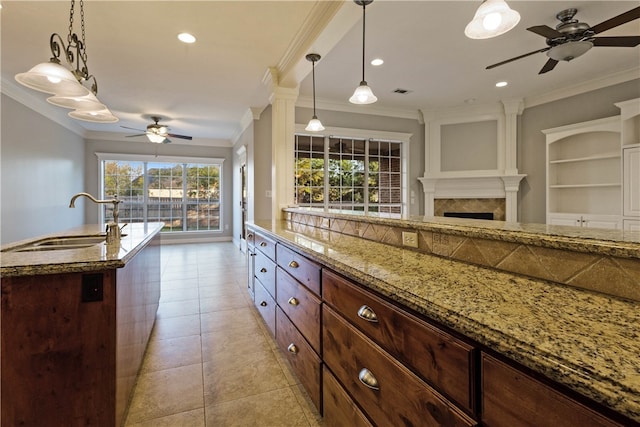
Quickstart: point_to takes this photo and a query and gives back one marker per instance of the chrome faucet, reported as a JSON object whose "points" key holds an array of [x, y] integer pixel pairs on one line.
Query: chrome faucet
{"points": [[113, 230]]}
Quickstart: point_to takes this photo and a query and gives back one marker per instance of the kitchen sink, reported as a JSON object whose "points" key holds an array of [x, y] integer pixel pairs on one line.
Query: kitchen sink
{"points": [[61, 243]]}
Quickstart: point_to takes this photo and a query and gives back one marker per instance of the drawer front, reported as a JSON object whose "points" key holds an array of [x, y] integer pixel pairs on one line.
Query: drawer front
{"points": [[265, 244], [266, 306], [301, 306], [444, 361], [337, 407], [265, 271], [250, 236], [512, 398], [394, 396], [307, 272], [304, 361]]}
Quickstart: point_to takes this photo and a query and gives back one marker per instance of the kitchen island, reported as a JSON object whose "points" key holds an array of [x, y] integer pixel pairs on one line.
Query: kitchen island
{"points": [[76, 319], [580, 342]]}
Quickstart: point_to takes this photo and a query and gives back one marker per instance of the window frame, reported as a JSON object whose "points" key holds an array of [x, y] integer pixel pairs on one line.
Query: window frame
{"points": [[364, 134], [145, 158]]}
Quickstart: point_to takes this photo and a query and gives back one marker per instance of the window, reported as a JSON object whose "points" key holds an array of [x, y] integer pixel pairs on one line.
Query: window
{"points": [[182, 193], [349, 173]]}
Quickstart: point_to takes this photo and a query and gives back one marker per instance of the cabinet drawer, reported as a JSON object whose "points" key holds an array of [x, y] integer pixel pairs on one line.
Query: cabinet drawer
{"points": [[337, 407], [305, 362], [512, 398], [266, 306], [444, 361], [394, 396], [250, 236], [307, 272], [301, 306], [265, 270], [265, 244]]}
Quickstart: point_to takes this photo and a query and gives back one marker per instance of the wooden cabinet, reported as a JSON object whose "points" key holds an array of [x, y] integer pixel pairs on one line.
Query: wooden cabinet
{"points": [[305, 271], [339, 409], [441, 359], [303, 359], [584, 171], [266, 306], [264, 278], [511, 398], [388, 392]]}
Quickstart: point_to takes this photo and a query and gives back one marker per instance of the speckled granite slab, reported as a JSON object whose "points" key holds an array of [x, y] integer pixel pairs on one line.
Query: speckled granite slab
{"points": [[92, 258], [587, 341], [606, 261]]}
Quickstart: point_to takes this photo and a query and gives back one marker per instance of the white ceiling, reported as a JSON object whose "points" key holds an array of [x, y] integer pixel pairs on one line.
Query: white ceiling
{"points": [[206, 89]]}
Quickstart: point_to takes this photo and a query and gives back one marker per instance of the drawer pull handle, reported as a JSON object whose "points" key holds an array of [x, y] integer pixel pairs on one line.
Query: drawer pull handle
{"points": [[293, 301], [294, 264], [366, 377], [263, 270], [292, 348], [250, 236], [367, 314], [263, 244], [263, 303]]}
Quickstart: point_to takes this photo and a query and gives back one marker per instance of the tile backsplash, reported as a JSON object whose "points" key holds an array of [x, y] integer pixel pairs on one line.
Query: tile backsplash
{"points": [[598, 272]]}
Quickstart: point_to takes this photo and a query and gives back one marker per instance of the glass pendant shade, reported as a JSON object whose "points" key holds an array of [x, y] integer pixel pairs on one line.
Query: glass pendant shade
{"points": [[493, 18], [314, 125], [101, 116], [363, 95], [50, 77], [569, 51], [87, 102], [158, 139]]}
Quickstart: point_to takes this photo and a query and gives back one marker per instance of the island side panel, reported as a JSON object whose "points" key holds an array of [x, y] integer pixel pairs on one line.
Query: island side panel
{"points": [[58, 351], [138, 296]]}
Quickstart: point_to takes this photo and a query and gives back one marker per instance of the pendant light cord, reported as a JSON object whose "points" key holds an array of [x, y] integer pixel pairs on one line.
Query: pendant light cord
{"points": [[313, 72], [364, 9]]}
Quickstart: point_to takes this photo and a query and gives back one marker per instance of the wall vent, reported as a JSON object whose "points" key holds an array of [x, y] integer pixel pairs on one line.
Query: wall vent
{"points": [[401, 91]]}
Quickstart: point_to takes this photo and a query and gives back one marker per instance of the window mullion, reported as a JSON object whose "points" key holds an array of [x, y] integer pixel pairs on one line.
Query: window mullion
{"points": [[326, 173], [366, 175], [145, 193], [184, 197]]}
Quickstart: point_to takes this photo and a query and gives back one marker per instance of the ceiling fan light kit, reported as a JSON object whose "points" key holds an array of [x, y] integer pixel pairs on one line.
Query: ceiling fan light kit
{"points": [[54, 78], [157, 133], [363, 93], [571, 38], [314, 124], [493, 18]]}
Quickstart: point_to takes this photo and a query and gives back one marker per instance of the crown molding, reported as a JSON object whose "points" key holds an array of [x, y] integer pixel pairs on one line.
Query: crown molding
{"points": [[35, 101], [580, 88]]}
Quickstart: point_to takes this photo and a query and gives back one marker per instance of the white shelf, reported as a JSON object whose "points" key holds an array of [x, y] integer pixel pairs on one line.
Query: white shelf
{"points": [[608, 184], [587, 159]]}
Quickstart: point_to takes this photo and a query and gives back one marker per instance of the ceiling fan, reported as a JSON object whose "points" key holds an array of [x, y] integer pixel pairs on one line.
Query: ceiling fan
{"points": [[571, 38], [157, 133]]}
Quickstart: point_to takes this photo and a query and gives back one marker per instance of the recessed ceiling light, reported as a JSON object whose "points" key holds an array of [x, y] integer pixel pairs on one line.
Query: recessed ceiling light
{"points": [[501, 84], [377, 62], [186, 38]]}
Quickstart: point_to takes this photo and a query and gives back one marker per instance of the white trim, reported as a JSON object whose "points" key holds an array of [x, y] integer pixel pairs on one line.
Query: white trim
{"points": [[153, 158], [355, 133]]}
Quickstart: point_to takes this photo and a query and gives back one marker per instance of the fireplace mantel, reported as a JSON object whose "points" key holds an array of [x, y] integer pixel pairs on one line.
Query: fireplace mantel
{"points": [[473, 187]]}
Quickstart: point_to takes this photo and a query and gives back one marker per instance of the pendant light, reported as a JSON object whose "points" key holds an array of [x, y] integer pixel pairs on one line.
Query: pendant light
{"points": [[363, 93], [67, 82], [493, 17], [314, 124]]}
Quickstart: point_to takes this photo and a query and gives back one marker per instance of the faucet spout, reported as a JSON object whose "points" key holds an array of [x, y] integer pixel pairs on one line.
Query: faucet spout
{"points": [[112, 232]]}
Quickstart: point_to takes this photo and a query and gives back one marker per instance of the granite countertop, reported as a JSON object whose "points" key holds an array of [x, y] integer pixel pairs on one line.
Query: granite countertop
{"points": [[621, 243], [96, 257], [587, 341]]}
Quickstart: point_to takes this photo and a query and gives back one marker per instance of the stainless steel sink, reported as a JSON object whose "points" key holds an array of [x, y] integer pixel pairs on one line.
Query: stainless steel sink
{"points": [[60, 243]]}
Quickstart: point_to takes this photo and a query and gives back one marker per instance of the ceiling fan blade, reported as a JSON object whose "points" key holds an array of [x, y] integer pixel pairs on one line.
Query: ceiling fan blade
{"points": [[131, 136], [550, 65], [518, 57], [546, 31], [126, 127], [173, 135], [619, 41], [617, 20]]}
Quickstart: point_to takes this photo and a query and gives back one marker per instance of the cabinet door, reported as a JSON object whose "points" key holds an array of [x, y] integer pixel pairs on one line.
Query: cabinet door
{"points": [[337, 407], [613, 222], [387, 391], [631, 181], [266, 305], [631, 224], [265, 272], [564, 219], [510, 398]]}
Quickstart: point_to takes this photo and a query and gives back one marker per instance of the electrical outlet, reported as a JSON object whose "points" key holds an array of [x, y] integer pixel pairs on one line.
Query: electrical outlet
{"points": [[410, 239]]}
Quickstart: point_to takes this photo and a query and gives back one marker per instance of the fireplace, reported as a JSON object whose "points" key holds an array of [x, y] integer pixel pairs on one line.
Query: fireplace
{"points": [[478, 208]]}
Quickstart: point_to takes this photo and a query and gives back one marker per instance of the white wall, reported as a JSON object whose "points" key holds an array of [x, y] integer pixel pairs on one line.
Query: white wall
{"points": [[42, 167]]}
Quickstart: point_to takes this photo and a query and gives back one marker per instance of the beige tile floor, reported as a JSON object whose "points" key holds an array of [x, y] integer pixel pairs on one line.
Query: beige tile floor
{"points": [[210, 359]]}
